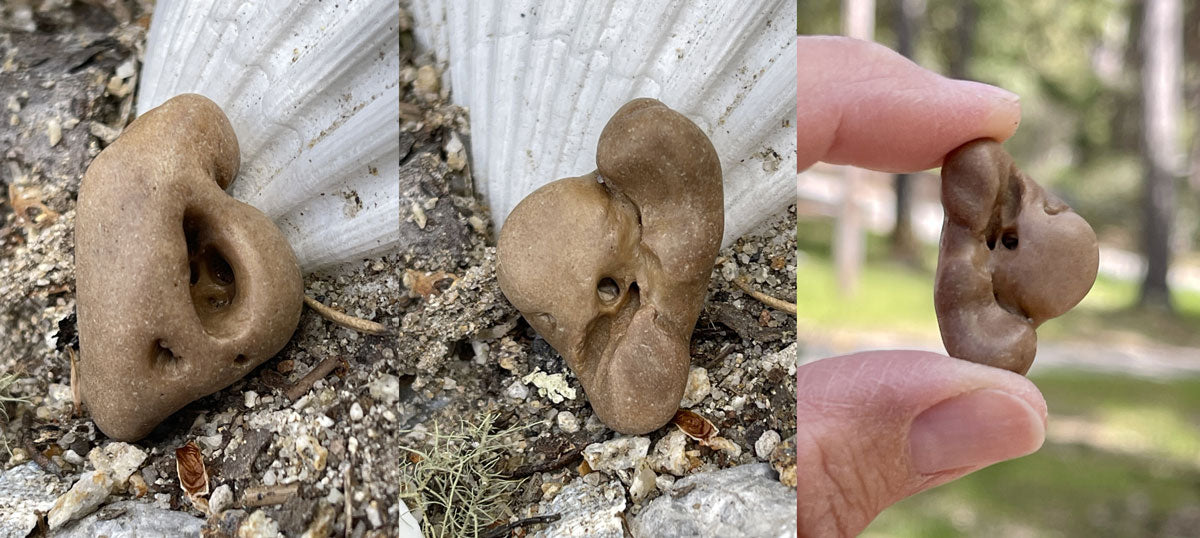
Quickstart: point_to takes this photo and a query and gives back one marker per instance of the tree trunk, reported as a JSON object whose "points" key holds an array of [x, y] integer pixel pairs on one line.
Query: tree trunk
{"points": [[904, 246], [1162, 63], [849, 237]]}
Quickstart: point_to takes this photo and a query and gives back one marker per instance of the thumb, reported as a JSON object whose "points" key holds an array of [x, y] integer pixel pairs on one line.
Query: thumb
{"points": [[876, 427]]}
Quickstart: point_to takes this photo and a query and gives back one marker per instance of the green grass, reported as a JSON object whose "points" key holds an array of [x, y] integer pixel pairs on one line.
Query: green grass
{"points": [[896, 297], [1141, 477]]}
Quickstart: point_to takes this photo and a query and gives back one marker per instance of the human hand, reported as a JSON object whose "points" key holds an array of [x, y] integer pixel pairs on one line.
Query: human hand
{"points": [[876, 427]]}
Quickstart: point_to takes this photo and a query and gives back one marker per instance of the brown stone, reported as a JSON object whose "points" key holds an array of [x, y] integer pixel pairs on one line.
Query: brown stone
{"points": [[181, 289], [611, 268], [1012, 256]]}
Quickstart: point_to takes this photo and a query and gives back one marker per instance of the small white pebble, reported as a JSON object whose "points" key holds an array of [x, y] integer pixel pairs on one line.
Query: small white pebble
{"points": [[356, 412], [373, 514], [251, 398], [567, 422], [766, 443]]}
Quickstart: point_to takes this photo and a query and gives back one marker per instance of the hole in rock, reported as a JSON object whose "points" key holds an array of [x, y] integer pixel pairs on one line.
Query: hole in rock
{"points": [[1009, 240], [213, 280], [240, 360], [608, 290], [608, 327], [165, 360]]}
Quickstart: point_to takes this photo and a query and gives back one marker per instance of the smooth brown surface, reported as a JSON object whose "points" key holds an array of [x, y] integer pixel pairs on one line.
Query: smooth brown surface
{"points": [[612, 268], [181, 289], [1012, 256]]}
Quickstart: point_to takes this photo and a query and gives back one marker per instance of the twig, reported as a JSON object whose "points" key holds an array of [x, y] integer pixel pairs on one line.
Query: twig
{"points": [[318, 372], [343, 319], [772, 302], [268, 495], [566, 459], [41, 459], [507, 528]]}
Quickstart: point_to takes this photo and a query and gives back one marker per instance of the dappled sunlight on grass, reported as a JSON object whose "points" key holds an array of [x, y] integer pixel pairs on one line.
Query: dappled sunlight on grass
{"points": [[1120, 460]]}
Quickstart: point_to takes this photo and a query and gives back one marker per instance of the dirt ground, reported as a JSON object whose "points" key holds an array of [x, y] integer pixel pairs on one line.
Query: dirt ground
{"points": [[458, 351]]}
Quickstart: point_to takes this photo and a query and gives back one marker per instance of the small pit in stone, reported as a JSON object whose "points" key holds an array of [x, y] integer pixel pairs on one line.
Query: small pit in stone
{"points": [[165, 360], [213, 281], [608, 290], [1009, 240]]}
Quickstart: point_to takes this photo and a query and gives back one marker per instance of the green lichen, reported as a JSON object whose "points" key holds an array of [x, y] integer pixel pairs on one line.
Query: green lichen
{"points": [[454, 486]]}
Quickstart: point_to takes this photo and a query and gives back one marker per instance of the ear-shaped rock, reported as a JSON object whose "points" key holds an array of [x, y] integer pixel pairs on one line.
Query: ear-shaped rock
{"points": [[612, 268], [181, 289], [1012, 256]]}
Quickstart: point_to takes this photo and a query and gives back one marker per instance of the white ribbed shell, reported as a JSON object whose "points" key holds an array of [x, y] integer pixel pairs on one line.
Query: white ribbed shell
{"points": [[541, 78], [312, 90]]}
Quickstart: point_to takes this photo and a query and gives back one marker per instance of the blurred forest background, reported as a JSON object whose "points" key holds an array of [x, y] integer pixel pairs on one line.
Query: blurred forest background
{"points": [[1110, 94]]}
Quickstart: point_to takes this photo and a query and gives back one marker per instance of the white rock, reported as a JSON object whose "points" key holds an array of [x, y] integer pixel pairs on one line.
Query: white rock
{"points": [[747, 500], [221, 498], [84, 497], [373, 516], [766, 443], [669, 456], [456, 155], [251, 398], [118, 460], [212, 442], [130, 519], [517, 391], [385, 388], [258, 525], [567, 422], [25, 490], [643, 483], [617, 454], [72, 457], [356, 412], [552, 386], [698, 387], [591, 511]]}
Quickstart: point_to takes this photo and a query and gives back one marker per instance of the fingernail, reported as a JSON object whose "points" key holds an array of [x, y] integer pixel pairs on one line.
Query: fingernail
{"points": [[1003, 109], [977, 428]]}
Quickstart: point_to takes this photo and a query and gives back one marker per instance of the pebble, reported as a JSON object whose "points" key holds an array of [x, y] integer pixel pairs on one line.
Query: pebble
{"points": [[373, 514], [698, 387], [766, 443], [427, 84], [739, 501], [517, 390], [85, 496], [456, 155], [669, 456], [258, 525], [567, 422], [356, 412], [70, 456], [385, 388], [591, 510], [251, 399], [617, 454], [643, 482], [221, 498], [117, 460]]}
